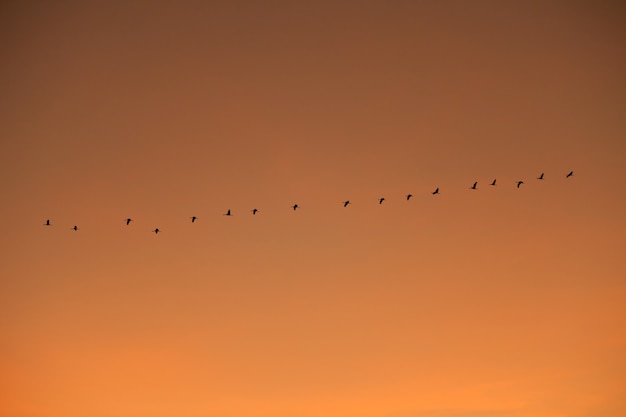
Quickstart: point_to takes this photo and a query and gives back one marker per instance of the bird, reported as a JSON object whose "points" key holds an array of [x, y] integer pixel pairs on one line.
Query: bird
{"points": [[570, 174], [408, 197], [156, 231], [128, 221], [436, 191], [227, 213], [519, 183], [473, 187], [193, 219], [380, 200], [47, 223], [540, 177], [294, 207], [75, 228], [254, 211], [493, 183], [345, 203]]}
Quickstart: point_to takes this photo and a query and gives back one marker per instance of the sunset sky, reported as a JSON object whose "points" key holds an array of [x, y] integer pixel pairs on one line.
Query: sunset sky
{"points": [[494, 302]]}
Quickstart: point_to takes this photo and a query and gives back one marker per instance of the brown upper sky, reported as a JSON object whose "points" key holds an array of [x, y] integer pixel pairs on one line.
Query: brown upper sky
{"points": [[494, 302]]}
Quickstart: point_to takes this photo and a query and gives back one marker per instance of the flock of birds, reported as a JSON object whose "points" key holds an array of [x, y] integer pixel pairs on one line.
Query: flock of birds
{"points": [[254, 211]]}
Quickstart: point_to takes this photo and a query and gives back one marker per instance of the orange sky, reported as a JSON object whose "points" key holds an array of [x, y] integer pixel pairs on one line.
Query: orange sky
{"points": [[495, 302]]}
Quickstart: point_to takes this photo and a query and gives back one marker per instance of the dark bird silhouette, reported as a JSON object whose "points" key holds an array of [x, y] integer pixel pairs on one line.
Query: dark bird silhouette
{"points": [[436, 191], [294, 207], [345, 203], [254, 211], [380, 200], [47, 223], [75, 228], [493, 183], [540, 177], [128, 221], [227, 213], [156, 231], [570, 174], [408, 197], [193, 219], [473, 187], [519, 183]]}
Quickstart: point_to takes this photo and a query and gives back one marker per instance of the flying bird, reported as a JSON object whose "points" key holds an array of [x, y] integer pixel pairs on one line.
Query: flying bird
{"points": [[254, 211], [345, 203], [227, 213], [128, 221], [493, 183], [193, 219], [570, 174], [75, 228], [408, 197], [294, 207], [473, 187], [436, 191], [380, 200], [519, 183], [47, 223], [540, 177], [156, 231]]}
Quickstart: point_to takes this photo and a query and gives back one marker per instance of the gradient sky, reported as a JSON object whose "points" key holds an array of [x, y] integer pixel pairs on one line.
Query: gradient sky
{"points": [[498, 302]]}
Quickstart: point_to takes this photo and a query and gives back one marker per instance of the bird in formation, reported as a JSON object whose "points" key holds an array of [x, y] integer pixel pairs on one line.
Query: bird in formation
{"points": [[473, 187], [227, 213], [156, 231], [254, 211], [540, 177], [436, 191], [294, 207], [380, 200], [408, 197], [193, 219], [345, 203], [47, 223], [519, 183], [75, 228], [570, 174], [493, 183], [128, 221]]}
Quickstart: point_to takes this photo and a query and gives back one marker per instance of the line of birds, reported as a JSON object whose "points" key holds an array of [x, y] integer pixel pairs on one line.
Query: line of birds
{"points": [[345, 203]]}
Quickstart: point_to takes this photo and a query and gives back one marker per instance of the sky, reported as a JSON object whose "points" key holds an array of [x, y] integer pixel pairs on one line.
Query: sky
{"points": [[494, 302]]}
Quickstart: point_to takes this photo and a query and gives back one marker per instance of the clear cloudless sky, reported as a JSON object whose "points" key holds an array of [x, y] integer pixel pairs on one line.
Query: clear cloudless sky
{"points": [[494, 302]]}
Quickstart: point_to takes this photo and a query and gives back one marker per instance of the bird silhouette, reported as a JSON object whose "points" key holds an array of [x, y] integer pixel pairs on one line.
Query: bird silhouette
{"points": [[436, 191], [380, 200], [156, 231], [408, 197], [128, 221], [254, 211], [570, 174], [519, 183], [294, 207], [47, 223], [75, 228], [227, 213], [540, 177], [193, 219], [473, 187], [345, 203], [493, 183]]}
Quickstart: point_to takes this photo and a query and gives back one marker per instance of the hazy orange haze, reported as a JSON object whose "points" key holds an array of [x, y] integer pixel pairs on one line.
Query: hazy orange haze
{"points": [[494, 302]]}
